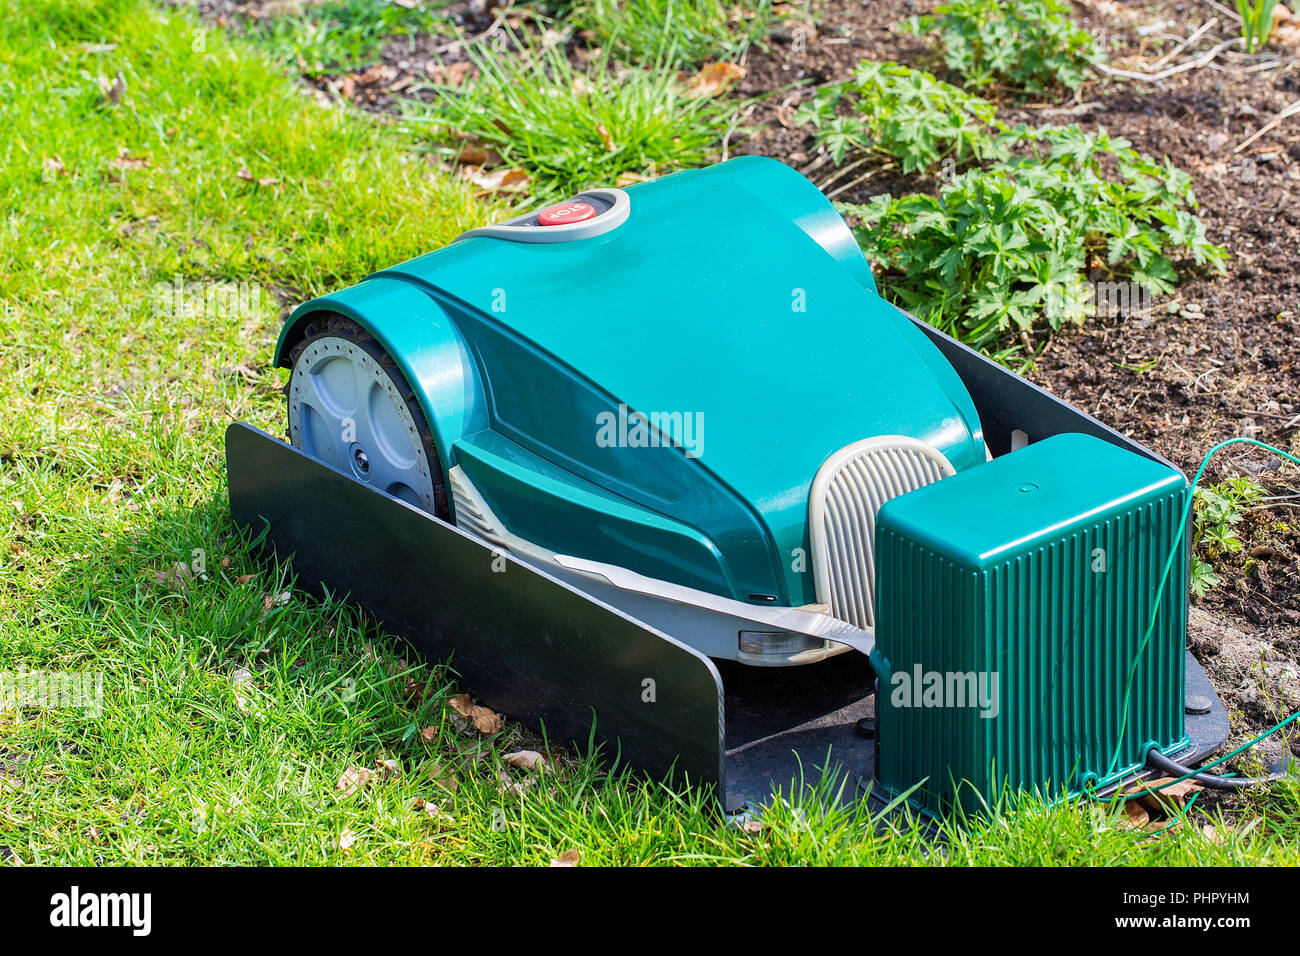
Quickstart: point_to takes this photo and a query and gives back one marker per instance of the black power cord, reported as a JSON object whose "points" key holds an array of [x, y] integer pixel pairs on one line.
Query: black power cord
{"points": [[1160, 762]]}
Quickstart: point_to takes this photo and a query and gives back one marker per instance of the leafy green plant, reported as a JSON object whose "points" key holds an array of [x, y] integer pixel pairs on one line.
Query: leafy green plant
{"points": [[339, 36], [1218, 511], [678, 31], [1021, 242], [1256, 21], [1030, 45], [902, 113], [573, 128]]}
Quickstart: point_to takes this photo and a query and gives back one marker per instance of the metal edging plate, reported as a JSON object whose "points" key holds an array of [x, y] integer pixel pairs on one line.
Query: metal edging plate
{"points": [[526, 644]]}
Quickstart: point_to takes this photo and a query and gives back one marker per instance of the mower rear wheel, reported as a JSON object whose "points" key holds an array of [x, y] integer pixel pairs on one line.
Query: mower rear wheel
{"points": [[350, 406]]}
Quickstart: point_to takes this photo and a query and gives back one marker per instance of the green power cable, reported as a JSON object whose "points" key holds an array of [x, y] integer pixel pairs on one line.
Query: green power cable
{"points": [[1155, 612]]}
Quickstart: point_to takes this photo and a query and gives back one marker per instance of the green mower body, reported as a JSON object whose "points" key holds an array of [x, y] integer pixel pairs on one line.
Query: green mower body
{"points": [[733, 305]]}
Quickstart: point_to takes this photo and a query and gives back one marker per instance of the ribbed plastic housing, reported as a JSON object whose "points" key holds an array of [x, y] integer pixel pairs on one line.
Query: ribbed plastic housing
{"points": [[1028, 584], [847, 492], [471, 511]]}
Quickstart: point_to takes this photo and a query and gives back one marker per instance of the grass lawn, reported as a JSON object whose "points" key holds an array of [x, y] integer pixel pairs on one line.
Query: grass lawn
{"points": [[165, 189]]}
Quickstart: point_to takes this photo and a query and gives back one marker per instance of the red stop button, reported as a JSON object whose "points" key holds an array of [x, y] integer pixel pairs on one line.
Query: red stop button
{"points": [[565, 212]]}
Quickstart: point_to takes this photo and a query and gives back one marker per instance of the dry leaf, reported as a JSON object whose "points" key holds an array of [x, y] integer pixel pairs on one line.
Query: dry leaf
{"points": [[429, 733], [1287, 33], [272, 601], [243, 579], [346, 839], [713, 79], [247, 176], [508, 784], [478, 156], [54, 165], [243, 703], [352, 781], [282, 8], [125, 160], [567, 858], [1213, 834], [1172, 797], [416, 691], [527, 760], [1135, 816], [436, 813], [605, 138], [752, 826], [441, 776], [113, 89], [502, 180], [453, 75], [471, 750], [177, 577], [388, 768], [485, 721]]}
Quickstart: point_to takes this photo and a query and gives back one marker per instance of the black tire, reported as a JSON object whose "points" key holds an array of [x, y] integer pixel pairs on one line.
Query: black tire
{"points": [[337, 326]]}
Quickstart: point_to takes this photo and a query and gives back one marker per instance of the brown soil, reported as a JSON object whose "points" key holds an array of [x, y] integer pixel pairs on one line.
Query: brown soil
{"points": [[1221, 359]]}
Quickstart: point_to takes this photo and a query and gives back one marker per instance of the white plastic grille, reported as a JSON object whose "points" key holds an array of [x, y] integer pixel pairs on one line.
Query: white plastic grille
{"points": [[846, 494]]}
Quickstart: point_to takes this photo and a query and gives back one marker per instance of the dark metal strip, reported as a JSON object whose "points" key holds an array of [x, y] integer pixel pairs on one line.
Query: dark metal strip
{"points": [[527, 644]]}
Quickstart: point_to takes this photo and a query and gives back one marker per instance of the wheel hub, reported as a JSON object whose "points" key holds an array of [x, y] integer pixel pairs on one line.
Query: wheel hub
{"points": [[360, 462], [346, 410]]}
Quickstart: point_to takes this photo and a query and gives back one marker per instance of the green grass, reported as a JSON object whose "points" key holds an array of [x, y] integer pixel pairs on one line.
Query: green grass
{"points": [[689, 32], [339, 36], [574, 128], [228, 711]]}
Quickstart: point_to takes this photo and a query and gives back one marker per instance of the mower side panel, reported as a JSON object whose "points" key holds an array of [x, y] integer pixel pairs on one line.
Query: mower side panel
{"points": [[526, 643], [569, 516]]}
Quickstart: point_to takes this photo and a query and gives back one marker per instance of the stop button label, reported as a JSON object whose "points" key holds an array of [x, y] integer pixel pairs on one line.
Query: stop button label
{"points": [[565, 213]]}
